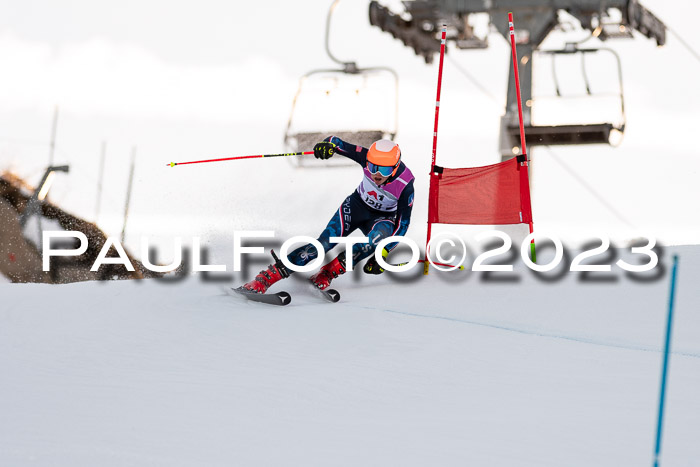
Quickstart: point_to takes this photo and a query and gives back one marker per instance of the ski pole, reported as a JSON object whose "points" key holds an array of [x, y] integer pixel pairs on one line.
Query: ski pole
{"points": [[461, 267], [173, 164]]}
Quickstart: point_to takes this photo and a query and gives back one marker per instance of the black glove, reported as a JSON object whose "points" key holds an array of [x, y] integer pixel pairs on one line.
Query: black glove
{"points": [[372, 266], [324, 150]]}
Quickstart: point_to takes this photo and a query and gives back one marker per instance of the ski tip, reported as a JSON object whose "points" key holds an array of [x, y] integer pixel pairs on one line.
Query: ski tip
{"points": [[285, 298], [333, 294], [279, 298]]}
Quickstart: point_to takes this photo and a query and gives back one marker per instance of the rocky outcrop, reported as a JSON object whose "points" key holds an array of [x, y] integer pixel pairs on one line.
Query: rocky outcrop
{"points": [[20, 259]]}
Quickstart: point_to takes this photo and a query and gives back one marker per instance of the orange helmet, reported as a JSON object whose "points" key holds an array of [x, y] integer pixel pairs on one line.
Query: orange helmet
{"points": [[384, 156]]}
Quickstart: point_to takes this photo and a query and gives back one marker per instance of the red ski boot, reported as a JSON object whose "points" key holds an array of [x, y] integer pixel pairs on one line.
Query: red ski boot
{"points": [[267, 277], [322, 279]]}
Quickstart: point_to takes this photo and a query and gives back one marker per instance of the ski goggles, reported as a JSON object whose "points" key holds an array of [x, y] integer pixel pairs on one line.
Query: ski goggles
{"points": [[383, 170]]}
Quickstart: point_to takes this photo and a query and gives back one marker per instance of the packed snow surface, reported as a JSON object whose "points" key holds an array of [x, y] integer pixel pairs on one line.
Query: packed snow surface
{"points": [[451, 369]]}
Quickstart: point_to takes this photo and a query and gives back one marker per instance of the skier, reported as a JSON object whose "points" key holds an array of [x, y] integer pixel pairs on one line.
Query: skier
{"points": [[380, 207]]}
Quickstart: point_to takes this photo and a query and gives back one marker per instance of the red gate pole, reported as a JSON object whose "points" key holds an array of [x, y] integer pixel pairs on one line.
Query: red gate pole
{"points": [[426, 263], [525, 201]]}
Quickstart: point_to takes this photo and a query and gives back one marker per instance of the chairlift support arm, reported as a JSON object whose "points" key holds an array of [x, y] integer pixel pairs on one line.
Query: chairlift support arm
{"points": [[536, 19]]}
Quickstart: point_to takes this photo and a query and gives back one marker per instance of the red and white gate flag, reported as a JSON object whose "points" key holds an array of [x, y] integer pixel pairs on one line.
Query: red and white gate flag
{"points": [[494, 194]]}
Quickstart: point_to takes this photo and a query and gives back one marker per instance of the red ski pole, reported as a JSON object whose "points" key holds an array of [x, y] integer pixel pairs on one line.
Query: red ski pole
{"points": [[461, 267], [173, 164]]}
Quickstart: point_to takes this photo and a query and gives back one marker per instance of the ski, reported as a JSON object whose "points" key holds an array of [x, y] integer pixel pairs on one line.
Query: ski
{"points": [[331, 295], [279, 298]]}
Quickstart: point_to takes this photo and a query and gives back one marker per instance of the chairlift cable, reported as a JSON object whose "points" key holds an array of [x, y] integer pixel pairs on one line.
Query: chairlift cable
{"points": [[588, 188], [584, 95], [473, 80], [685, 44]]}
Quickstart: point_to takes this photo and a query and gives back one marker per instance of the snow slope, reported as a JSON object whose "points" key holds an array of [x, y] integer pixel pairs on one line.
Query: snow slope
{"points": [[445, 370]]}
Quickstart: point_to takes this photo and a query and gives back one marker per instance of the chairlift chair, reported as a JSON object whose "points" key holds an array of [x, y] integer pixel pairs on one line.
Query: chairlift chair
{"points": [[593, 133], [297, 140]]}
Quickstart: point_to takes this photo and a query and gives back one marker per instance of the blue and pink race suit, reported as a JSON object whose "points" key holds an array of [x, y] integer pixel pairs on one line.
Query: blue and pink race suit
{"points": [[378, 211]]}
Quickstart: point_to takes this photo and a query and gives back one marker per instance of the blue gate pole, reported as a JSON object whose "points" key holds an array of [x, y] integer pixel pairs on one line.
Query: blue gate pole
{"points": [[664, 372]]}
